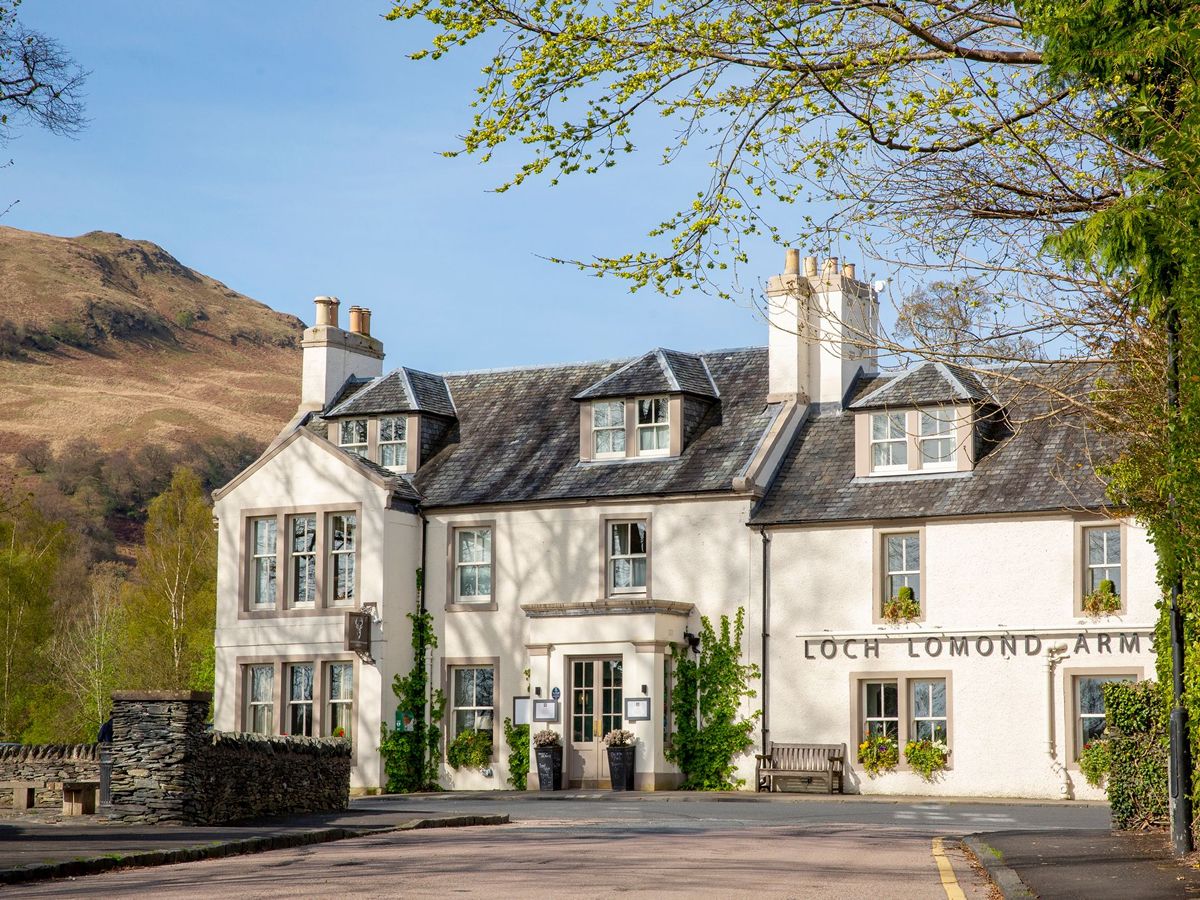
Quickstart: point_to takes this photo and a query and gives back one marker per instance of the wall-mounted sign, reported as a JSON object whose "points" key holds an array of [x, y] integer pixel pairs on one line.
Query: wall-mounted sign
{"points": [[637, 709], [405, 720], [522, 710], [358, 632], [545, 710], [555, 693]]}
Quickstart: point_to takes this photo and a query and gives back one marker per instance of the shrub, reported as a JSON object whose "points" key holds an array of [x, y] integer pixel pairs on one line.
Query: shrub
{"points": [[185, 319], [927, 757], [1094, 761], [1136, 719], [1103, 600], [517, 738], [470, 750], [904, 607], [878, 754]]}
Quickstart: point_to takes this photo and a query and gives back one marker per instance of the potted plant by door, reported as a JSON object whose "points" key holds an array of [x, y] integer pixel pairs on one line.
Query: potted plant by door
{"points": [[548, 749], [620, 758]]}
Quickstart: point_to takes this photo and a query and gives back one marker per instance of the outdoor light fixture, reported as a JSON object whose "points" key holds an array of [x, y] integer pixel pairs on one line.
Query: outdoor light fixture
{"points": [[537, 692], [692, 640]]}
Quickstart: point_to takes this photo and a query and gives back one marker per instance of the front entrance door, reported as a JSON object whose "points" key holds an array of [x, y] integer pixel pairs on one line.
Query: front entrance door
{"points": [[595, 711]]}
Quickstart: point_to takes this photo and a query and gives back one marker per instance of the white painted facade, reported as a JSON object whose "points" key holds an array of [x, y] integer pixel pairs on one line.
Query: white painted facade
{"points": [[1005, 583]]}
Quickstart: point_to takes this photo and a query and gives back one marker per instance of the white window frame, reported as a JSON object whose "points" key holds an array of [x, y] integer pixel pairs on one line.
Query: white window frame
{"points": [[353, 446], [348, 551], [483, 563], [474, 707], [334, 702], [883, 718], [253, 705], [945, 422], [612, 557], [400, 445], [890, 440], [1090, 570], [292, 702], [294, 557], [268, 555], [915, 731], [610, 429], [660, 430], [906, 573]]}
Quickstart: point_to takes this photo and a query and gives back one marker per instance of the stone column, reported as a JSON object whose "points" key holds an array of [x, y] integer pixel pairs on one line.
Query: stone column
{"points": [[157, 736]]}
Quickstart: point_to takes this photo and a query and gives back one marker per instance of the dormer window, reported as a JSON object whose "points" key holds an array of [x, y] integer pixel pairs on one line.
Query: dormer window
{"points": [[654, 426], [352, 435], [393, 442], [937, 437], [608, 429], [889, 442]]}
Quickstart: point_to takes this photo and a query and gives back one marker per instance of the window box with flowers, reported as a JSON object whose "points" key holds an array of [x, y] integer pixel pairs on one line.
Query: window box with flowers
{"points": [[904, 607], [878, 754], [927, 757], [621, 758], [547, 745], [1103, 601]]}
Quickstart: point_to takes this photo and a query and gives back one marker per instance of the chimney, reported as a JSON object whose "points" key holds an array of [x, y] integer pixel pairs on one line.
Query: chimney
{"points": [[816, 330], [332, 355], [366, 322]]}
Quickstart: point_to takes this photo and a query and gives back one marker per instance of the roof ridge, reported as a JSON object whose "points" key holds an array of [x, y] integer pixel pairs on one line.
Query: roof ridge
{"points": [[660, 354]]}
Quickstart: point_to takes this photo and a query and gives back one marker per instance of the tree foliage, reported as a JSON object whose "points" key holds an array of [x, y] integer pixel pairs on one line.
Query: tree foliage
{"points": [[171, 600], [707, 703]]}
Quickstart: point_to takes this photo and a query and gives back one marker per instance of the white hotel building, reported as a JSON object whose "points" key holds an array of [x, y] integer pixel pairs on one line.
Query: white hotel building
{"points": [[573, 522]]}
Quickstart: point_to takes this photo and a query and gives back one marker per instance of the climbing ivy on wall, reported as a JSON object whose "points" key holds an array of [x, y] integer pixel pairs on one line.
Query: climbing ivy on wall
{"points": [[412, 755], [706, 704]]}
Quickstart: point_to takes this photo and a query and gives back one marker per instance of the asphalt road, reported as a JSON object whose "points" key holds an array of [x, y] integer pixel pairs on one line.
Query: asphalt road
{"points": [[664, 846]]}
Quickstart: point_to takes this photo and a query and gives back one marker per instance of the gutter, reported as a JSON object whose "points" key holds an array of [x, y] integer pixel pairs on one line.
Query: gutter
{"points": [[766, 637]]}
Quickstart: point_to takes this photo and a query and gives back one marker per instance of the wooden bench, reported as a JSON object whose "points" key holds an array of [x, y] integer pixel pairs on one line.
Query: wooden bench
{"points": [[24, 793], [795, 762], [79, 797]]}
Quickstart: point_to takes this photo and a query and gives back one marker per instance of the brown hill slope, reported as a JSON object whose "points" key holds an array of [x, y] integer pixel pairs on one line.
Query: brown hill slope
{"points": [[116, 340]]}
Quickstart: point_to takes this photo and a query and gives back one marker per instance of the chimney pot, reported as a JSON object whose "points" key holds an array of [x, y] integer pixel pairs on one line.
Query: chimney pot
{"points": [[791, 262], [366, 321], [831, 266], [323, 306], [848, 270], [810, 265], [356, 320]]}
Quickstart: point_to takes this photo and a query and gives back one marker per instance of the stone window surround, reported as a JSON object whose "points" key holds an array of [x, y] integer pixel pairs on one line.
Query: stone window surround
{"points": [[964, 442], [452, 602], [320, 663], [903, 710], [878, 569], [1070, 674], [675, 420], [413, 431], [1081, 527], [606, 592], [449, 664], [282, 568]]}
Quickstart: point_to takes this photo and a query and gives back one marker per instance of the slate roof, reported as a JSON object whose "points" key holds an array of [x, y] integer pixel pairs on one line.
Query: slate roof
{"points": [[399, 485], [518, 437], [657, 372], [1039, 464], [930, 382], [404, 390]]}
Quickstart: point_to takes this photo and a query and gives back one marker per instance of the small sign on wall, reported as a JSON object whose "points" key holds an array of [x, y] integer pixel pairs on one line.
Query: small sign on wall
{"points": [[545, 710], [637, 709], [522, 711], [358, 632]]}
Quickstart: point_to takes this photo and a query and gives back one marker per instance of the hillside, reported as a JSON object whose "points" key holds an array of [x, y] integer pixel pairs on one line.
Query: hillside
{"points": [[116, 340]]}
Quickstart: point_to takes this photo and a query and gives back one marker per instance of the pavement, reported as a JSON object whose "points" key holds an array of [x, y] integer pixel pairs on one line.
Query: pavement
{"points": [[597, 843]]}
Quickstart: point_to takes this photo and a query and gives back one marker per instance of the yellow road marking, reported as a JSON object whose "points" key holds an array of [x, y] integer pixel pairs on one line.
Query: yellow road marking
{"points": [[946, 871]]}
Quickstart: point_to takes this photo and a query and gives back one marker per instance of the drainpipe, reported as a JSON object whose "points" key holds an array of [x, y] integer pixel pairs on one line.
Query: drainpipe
{"points": [[1054, 656], [766, 636]]}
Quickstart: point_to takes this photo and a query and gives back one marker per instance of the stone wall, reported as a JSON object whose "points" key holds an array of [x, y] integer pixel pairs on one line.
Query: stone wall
{"points": [[48, 765], [168, 767]]}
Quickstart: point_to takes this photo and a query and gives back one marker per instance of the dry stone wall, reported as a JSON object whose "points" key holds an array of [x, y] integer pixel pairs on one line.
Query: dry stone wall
{"points": [[47, 766], [168, 767]]}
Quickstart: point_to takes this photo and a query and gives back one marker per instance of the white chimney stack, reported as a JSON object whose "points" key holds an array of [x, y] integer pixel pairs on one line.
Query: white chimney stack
{"points": [[332, 355], [817, 329]]}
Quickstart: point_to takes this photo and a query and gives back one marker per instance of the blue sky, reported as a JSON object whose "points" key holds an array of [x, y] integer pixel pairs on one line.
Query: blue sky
{"points": [[291, 150]]}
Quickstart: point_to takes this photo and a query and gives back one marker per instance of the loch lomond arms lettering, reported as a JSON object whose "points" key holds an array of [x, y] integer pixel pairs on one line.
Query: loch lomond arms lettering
{"points": [[1002, 645]]}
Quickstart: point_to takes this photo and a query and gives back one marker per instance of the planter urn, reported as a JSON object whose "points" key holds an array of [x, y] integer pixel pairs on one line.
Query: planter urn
{"points": [[621, 766], [549, 767]]}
